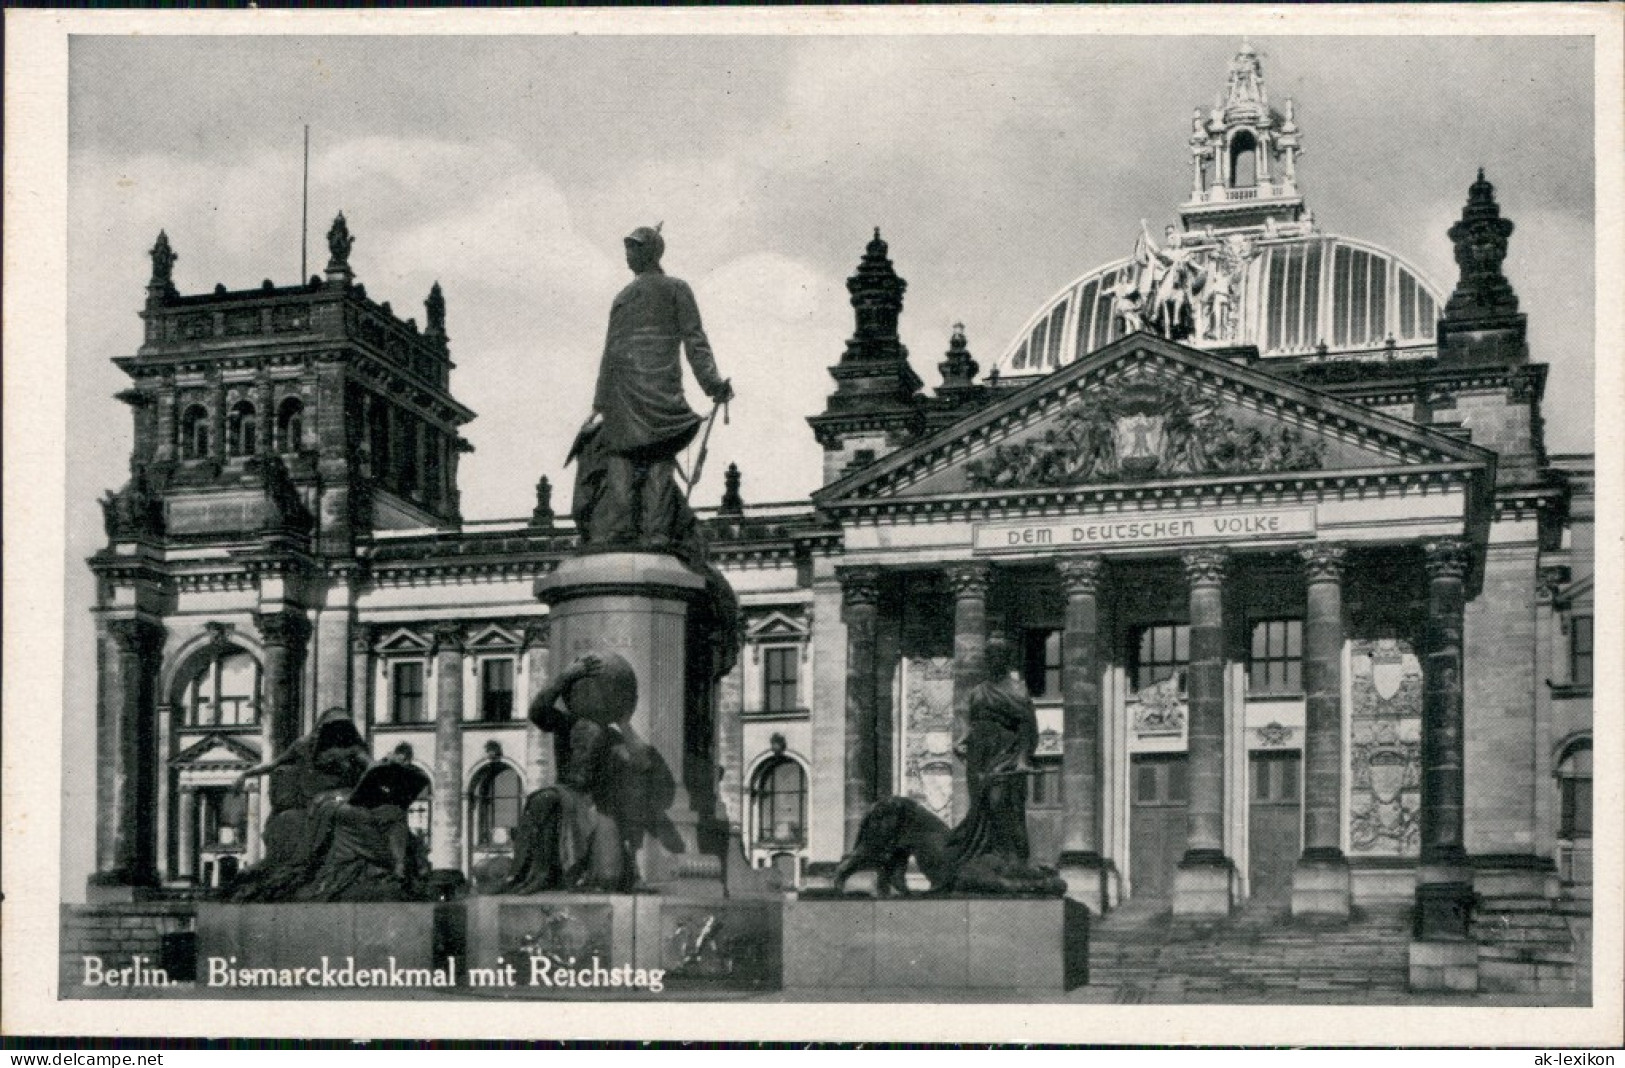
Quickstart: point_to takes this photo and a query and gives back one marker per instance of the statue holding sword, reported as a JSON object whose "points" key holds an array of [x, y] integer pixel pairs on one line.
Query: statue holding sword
{"points": [[626, 492]]}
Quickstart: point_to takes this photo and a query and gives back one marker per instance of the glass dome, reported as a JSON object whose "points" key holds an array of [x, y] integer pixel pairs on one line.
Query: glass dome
{"points": [[1296, 294]]}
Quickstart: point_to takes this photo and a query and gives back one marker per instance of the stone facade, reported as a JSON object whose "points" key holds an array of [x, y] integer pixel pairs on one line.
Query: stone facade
{"points": [[1310, 626]]}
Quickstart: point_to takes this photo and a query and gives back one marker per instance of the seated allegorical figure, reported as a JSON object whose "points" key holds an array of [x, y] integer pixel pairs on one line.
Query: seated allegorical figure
{"points": [[582, 832], [337, 830]]}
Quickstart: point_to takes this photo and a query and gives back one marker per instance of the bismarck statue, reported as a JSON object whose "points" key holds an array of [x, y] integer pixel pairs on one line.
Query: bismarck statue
{"points": [[626, 493], [988, 852]]}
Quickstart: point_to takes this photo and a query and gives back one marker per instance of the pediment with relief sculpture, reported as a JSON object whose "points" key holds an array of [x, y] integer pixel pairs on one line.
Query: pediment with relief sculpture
{"points": [[1144, 410]]}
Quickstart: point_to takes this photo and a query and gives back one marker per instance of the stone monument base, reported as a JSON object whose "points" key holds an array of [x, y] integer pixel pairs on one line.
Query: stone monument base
{"points": [[298, 935], [714, 943], [926, 943]]}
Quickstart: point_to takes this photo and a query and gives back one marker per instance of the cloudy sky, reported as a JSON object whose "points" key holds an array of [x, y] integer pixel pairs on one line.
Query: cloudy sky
{"points": [[998, 168]]}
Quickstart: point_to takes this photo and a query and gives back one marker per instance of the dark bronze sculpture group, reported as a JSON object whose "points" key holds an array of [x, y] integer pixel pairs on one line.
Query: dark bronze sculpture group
{"points": [[988, 852], [338, 829]]}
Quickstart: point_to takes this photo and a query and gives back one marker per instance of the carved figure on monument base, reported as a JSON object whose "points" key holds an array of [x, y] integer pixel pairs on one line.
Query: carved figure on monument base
{"points": [[613, 789], [338, 829], [988, 852]]}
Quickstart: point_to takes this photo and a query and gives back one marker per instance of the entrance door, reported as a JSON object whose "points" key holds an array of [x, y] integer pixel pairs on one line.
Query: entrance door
{"points": [[1157, 822], [1272, 825]]}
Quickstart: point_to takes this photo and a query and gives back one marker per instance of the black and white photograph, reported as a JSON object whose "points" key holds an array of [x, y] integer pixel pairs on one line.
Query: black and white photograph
{"points": [[838, 526]]}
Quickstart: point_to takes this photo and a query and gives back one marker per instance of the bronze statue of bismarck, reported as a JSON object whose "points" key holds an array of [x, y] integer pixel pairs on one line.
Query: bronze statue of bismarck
{"points": [[626, 486]]}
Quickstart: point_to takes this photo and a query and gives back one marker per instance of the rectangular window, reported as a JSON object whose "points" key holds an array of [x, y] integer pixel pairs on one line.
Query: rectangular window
{"points": [[1580, 651], [1576, 814], [1275, 777], [1161, 651], [1275, 664], [1161, 781], [1041, 662], [406, 692], [496, 689], [779, 665], [1046, 785]]}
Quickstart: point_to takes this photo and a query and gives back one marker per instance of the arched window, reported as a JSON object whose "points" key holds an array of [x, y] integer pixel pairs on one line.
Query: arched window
{"points": [[1243, 161], [496, 805], [1574, 814], [781, 803], [242, 430], [195, 432], [224, 692], [290, 425]]}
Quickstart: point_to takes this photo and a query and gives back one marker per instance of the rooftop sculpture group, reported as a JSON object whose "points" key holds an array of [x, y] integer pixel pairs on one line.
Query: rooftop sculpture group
{"points": [[1181, 292]]}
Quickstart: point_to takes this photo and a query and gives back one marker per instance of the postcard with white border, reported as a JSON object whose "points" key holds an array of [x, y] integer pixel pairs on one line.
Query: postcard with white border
{"points": [[1024, 524]]}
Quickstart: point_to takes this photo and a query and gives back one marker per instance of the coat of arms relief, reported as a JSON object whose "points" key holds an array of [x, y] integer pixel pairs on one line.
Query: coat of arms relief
{"points": [[1144, 428]]}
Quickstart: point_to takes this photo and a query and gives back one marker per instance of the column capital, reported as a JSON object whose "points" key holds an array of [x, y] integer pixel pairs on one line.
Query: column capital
{"points": [[447, 636], [137, 635], [1323, 561], [1206, 567], [361, 640], [860, 585], [1080, 573], [287, 629], [1447, 558], [969, 579]]}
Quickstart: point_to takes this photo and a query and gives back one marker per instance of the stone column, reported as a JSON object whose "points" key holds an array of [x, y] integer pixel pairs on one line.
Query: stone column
{"points": [[217, 420], [1081, 864], [186, 855], [860, 598], [361, 678], [1444, 881], [284, 634], [446, 835], [969, 583], [125, 756], [1443, 955], [533, 654], [1202, 884], [1320, 882]]}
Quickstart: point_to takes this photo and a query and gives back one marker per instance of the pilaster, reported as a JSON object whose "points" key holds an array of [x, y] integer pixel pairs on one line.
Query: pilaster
{"points": [[446, 835]]}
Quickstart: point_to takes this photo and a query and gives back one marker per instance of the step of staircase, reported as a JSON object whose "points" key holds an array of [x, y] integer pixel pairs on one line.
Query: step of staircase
{"points": [[1525, 944], [1144, 954]]}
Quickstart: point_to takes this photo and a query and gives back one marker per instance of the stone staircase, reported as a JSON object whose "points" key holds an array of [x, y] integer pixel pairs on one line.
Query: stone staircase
{"points": [[1525, 944], [1258, 954]]}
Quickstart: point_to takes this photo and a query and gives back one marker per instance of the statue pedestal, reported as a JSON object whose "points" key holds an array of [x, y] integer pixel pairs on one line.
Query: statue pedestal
{"points": [[704, 943], [636, 604], [923, 943], [364, 935]]}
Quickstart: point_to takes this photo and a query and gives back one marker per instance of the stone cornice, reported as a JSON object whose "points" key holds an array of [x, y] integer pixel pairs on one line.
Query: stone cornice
{"points": [[1298, 486]]}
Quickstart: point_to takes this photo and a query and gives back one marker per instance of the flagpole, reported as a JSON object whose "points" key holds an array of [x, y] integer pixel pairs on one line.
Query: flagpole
{"points": [[304, 215]]}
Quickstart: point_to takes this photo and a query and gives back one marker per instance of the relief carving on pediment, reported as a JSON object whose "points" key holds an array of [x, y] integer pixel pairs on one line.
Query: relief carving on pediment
{"points": [[1144, 429]]}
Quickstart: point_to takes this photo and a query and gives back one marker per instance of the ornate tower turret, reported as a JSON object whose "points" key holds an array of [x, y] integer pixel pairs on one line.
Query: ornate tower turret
{"points": [[1244, 156], [1481, 321], [876, 403]]}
